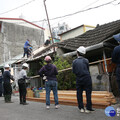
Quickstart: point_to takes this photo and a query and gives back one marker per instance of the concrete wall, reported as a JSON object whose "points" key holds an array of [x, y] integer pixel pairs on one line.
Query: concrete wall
{"points": [[88, 28], [72, 33], [1, 47], [13, 38], [76, 32]]}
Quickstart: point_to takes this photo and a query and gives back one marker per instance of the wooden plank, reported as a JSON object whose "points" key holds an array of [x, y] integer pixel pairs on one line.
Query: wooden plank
{"points": [[99, 98], [95, 105], [74, 95], [84, 99]]}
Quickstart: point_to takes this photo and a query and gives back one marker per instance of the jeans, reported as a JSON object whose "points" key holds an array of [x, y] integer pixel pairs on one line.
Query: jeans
{"points": [[51, 85], [25, 52]]}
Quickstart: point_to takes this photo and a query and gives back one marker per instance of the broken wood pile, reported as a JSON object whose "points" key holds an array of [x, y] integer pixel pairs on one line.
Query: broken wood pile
{"points": [[100, 99]]}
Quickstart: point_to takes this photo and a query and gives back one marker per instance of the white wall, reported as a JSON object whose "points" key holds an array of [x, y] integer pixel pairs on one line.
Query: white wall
{"points": [[72, 33]]}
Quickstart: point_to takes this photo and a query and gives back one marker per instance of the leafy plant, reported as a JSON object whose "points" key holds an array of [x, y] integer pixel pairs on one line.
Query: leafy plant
{"points": [[30, 73], [66, 79]]}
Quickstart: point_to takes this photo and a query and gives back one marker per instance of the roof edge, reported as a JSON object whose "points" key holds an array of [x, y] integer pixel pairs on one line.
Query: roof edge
{"points": [[23, 20], [76, 28]]}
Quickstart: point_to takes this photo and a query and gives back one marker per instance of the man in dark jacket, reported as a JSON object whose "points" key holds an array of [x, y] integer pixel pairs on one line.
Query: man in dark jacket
{"points": [[6, 84], [116, 59], [50, 71], [83, 80]]}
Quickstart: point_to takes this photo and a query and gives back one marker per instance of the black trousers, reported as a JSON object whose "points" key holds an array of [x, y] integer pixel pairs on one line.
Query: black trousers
{"points": [[7, 89], [22, 92], [1, 89], [118, 77], [85, 84]]}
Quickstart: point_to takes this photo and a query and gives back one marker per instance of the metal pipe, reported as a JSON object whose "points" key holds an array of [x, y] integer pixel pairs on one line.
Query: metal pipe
{"points": [[93, 47], [104, 56]]}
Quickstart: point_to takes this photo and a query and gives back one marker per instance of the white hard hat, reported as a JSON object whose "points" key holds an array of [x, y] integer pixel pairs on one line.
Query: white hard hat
{"points": [[25, 65], [82, 50], [6, 66]]}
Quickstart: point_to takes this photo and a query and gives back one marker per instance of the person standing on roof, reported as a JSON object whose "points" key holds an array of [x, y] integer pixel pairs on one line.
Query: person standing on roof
{"points": [[22, 84], [26, 48], [7, 84], [116, 59], [50, 71], [80, 68]]}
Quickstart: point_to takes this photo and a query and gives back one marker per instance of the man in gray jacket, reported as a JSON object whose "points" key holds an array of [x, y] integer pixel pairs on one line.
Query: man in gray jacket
{"points": [[22, 84]]}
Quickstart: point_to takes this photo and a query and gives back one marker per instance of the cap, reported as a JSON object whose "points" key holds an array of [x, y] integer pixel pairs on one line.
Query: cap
{"points": [[82, 50], [47, 58]]}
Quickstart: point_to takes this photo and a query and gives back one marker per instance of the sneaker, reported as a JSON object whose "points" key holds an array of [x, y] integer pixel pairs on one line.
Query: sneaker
{"points": [[25, 103], [21, 102], [9, 102], [47, 107], [88, 111], [57, 106], [82, 110]]}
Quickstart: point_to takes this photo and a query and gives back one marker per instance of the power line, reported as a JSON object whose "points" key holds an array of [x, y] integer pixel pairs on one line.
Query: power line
{"points": [[84, 10], [18, 7], [80, 11], [64, 15]]}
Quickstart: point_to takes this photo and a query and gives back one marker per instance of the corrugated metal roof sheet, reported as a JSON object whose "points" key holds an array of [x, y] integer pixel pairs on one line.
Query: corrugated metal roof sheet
{"points": [[11, 61]]}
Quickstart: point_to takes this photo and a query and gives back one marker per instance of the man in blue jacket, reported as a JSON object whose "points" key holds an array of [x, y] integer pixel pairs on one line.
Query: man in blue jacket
{"points": [[116, 59], [83, 80], [26, 48]]}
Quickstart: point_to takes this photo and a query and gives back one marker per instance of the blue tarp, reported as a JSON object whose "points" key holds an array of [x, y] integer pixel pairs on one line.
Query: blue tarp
{"points": [[117, 37]]}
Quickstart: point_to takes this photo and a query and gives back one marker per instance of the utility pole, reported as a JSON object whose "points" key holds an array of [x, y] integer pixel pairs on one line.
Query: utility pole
{"points": [[49, 25]]}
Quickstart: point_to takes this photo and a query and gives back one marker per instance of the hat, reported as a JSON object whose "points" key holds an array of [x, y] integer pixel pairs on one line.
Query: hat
{"points": [[82, 50], [117, 37], [47, 58], [25, 65], [6, 66]]}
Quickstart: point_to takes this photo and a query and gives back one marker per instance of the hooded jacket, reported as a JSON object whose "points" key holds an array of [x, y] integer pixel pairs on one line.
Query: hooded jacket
{"points": [[50, 71]]}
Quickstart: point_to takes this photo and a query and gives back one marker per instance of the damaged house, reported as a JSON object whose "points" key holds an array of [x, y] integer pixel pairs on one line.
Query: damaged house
{"points": [[99, 43]]}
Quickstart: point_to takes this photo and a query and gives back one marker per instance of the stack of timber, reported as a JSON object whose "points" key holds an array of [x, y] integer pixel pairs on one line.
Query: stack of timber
{"points": [[100, 99]]}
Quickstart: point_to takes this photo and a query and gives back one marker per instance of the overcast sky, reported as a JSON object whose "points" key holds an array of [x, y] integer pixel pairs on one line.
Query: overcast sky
{"points": [[35, 11]]}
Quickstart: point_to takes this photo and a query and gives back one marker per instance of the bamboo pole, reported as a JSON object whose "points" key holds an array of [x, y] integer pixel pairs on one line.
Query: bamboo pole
{"points": [[37, 76]]}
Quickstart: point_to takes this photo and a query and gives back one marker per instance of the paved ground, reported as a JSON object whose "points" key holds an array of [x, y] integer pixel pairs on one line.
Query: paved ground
{"points": [[37, 111]]}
